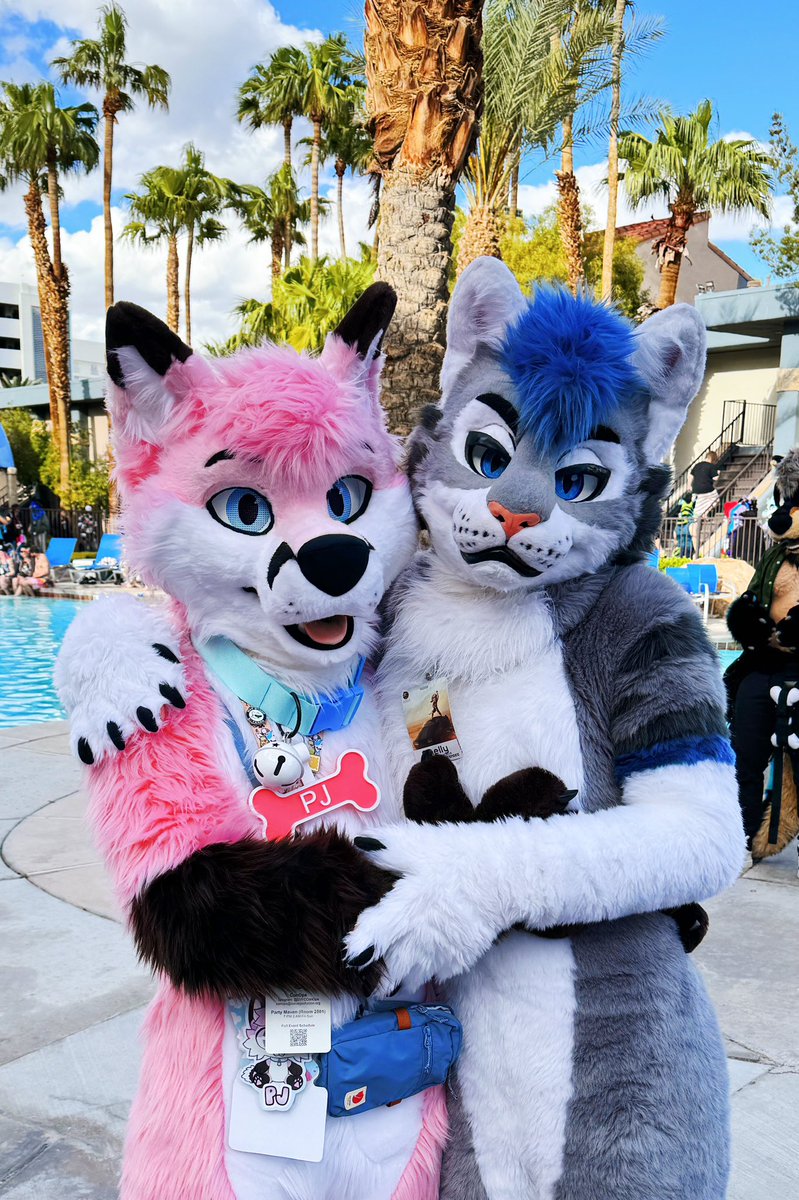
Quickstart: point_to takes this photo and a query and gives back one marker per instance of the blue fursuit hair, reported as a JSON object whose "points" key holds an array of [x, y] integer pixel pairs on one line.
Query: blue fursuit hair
{"points": [[570, 360]]}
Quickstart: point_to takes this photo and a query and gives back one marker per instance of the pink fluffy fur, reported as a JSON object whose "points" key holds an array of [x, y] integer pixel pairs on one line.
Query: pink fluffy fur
{"points": [[420, 1179], [318, 421], [178, 1150], [166, 797]]}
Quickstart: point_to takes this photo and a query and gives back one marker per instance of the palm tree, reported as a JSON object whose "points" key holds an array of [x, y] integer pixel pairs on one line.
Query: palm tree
{"points": [[682, 166], [100, 63], [524, 103], [307, 303], [267, 213], [203, 198], [173, 201], [38, 142], [424, 93], [348, 144], [583, 63], [272, 94], [323, 94], [613, 149]]}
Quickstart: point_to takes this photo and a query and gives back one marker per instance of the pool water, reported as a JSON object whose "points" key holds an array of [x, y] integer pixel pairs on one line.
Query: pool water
{"points": [[31, 633]]}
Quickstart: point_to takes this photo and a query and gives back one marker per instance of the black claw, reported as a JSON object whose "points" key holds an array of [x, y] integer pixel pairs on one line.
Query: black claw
{"points": [[368, 843], [115, 734], [363, 959], [85, 752], [172, 695], [165, 652], [147, 720]]}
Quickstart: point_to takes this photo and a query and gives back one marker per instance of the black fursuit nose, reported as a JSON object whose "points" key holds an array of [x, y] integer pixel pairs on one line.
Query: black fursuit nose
{"points": [[333, 563]]}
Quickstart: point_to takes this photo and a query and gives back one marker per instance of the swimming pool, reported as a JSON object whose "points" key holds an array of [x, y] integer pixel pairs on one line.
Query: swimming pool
{"points": [[31, 633]]}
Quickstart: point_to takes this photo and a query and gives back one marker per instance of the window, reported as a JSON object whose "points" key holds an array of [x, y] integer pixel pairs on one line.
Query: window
{"points": [[9, 343], [9, 373], [9, 311], [39, 360]]}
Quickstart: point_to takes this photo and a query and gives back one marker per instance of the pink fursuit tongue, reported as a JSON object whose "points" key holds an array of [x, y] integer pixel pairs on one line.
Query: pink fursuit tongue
{"points": [[327, 632]]}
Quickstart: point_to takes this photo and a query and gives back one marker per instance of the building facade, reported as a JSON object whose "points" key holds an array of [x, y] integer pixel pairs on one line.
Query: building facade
{"points": [[22, 341], [705, 267]]}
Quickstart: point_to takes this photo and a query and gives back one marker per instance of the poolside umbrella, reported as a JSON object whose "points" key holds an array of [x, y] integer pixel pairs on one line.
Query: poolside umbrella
{"points": [[6, 457]]}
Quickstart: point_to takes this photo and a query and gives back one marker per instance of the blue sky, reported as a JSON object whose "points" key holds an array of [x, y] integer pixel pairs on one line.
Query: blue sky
{"points": [[715, 49]]}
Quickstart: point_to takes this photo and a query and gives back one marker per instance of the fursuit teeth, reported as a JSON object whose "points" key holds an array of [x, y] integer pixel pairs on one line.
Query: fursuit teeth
{"points": [[787, 474], [570, 360]]}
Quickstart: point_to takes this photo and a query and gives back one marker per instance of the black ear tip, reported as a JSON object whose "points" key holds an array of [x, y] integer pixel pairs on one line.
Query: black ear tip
{"points": [[128, 324], [369, 318]]}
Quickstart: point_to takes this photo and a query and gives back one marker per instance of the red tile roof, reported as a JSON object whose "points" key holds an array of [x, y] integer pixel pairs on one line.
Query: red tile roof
{"points": [[647, 231]]}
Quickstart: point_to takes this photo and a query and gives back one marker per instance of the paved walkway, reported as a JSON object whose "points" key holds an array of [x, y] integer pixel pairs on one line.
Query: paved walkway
{"points": [[72, 996]]}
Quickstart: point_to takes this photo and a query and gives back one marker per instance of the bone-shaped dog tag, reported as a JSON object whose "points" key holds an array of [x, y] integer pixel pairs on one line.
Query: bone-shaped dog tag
{"points": [[282, 812]]}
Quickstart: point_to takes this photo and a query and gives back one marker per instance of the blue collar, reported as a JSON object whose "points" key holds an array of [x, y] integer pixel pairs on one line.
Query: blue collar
{"points": [[282, 706]]}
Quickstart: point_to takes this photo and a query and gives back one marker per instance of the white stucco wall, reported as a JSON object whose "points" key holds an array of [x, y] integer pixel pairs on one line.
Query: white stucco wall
{"points": [[749, 374]]}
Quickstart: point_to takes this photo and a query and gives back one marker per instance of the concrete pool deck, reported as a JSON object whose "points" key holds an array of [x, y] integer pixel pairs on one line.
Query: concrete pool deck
{"points": [[72, 996]]}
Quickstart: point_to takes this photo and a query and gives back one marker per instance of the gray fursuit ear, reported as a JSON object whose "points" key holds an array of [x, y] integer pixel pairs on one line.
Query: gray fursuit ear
{"points": [[486, 299], [787, 475], [670, 358]]}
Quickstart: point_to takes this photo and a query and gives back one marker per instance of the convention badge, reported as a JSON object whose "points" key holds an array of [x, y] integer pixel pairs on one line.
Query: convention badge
{"points": [[283, 812], [276, 1108], [428, 718], [297, 1022]]}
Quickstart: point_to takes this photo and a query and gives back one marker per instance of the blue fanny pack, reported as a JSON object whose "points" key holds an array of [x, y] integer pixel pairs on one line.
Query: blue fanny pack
{"points": [[384, 1057]]}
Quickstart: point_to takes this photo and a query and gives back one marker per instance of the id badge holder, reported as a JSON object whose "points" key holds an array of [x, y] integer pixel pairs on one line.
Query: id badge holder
{"points": [[276, 1107]]}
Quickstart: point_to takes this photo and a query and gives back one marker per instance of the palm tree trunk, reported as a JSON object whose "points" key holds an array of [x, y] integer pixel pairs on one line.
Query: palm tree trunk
{"points": [[55, 217], [341, 167], [54, 303], [424, 92], [187, 284], [514, 189], [671, 248], [288, 236], [287, 123], [481, 236], [317, 141], [41, 254], [613, 153], [109, 115], [172, 285], [569, 213], [277, 255], [416, 217]]}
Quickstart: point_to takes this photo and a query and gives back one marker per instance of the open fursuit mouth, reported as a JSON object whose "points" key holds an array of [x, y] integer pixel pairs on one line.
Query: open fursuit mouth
{"points": [[501, 554], [330, 633]]}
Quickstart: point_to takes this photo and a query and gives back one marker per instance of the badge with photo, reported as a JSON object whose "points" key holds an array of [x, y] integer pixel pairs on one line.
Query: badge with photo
{"points": [[428, 718]]}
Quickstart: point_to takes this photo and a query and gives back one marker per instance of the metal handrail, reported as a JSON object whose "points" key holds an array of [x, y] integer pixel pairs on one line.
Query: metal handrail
{"points": [[680, 483]]}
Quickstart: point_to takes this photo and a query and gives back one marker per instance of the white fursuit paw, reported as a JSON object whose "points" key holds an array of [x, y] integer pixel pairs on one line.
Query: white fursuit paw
{"points": [[438, 920], [117, 670]]}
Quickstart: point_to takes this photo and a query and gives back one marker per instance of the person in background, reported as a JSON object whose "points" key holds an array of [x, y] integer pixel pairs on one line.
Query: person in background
{"points": [[10, 525], [703, 491], [33, 572], [682, 529], [8, 569], [87, 539], [39, 526]]}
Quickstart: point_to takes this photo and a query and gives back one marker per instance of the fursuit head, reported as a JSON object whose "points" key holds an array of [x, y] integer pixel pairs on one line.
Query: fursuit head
{"points": [[592, 1062], [262, 494]]}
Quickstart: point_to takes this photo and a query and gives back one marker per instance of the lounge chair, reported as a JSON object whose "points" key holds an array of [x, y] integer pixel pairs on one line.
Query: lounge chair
{"points": [[107, 563], [701, 582], [59, 554]]}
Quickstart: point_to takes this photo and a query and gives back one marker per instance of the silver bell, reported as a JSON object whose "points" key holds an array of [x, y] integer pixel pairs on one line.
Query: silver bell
{"points": [[279, 764]]}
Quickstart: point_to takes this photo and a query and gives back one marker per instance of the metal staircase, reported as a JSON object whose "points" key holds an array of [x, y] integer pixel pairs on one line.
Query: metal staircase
{"points": [[744, 447]]}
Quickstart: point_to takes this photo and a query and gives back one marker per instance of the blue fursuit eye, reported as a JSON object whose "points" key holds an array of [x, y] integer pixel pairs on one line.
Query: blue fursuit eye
{"points": [[348, 498], [583, 481], [485, 455], [242, 510]]}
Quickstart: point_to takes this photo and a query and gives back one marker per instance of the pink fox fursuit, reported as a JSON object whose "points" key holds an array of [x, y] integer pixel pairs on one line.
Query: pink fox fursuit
{"points": [[263, 494]]}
